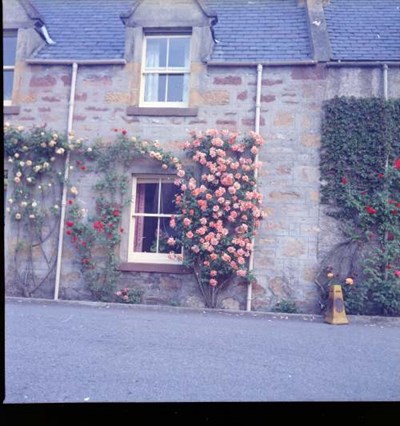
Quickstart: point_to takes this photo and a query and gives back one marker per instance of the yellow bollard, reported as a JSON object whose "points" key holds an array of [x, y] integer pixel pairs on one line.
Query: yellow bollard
{"points": [[336, 313]]}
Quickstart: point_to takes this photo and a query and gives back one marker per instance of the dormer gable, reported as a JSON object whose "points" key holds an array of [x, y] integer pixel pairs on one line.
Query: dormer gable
{"points": [[169, 13]]}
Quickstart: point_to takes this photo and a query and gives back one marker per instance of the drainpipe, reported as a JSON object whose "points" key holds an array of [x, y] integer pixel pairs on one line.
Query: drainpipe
{"points": [[385, 81], [257, 130], [65, 184]]}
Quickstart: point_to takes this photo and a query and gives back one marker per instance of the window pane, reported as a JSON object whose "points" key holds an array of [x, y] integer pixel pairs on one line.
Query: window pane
{"points": [[147, 198], [148, 233], [167, 232], [168, 191], [179, 52], [156, 53], [155, 87], [9, 48], [176, 87], [8, 77]]}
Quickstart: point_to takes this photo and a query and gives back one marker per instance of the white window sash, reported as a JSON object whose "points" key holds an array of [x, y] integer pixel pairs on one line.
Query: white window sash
{"points": [[8, 102], [155, 258], [148, 71]]}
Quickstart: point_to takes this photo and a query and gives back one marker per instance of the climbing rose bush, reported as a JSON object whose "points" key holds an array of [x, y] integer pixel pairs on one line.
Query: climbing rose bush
{"points": [[219, 208]]}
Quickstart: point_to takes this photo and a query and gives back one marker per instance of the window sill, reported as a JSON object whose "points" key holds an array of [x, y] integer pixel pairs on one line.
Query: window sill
{"points": [[11, 109], [162, 111], [152, 267]]}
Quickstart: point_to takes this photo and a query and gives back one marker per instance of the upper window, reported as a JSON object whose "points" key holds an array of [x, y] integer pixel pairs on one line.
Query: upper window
{"points": [[9, 52], [150, 234], [166, 70]]}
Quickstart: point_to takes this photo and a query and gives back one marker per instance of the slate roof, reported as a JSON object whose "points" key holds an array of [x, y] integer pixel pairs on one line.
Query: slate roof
{"points": [[83, 29], [260, 30], [247, 30], [365, 30]]}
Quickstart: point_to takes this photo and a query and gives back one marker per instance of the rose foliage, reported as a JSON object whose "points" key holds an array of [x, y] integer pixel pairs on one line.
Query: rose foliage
{"points": [[34, 179], [219, 208]]}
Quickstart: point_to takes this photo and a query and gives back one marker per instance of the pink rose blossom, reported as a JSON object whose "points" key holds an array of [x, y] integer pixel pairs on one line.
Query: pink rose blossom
{"points": [[254, 150]]}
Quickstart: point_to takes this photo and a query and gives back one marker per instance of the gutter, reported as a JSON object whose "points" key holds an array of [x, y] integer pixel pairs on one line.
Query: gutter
{"points": [[362, 63], [65, 183], [257, 130], [37, 61], [265, 63]]}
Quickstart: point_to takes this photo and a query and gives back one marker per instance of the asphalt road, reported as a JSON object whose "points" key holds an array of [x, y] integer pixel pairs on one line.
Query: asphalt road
{"points": [[69, 352]]}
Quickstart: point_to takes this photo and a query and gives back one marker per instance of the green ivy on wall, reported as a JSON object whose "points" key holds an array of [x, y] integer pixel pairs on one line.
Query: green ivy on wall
{"points": [[360, 177]]}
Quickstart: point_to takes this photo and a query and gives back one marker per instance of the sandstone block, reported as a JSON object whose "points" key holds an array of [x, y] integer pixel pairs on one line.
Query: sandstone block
{"points": [[51, 99], [80, 96], [230, 303], [269, 82], [284, 196], [98, 80], [294, 248], [314, 196], [231, 123], [27, 99], [229, 79], [283, 118], [283, 170], [251, 121], [194, 302], [307, 174], [309, 273], [214, 97], [242, 95], [42, 81], [311, 140], [117, 98], [279, 287], [266, 98], [170, 283]]}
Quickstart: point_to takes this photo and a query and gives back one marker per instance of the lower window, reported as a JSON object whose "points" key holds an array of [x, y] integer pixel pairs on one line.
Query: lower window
{"points": [[151, 238]]}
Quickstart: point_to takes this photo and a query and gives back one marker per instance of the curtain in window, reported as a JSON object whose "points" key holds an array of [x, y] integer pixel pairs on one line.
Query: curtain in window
{"points": [[139, 220], [152, 61]]}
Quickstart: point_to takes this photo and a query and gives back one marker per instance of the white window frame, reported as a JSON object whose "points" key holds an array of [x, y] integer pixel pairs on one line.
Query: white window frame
{"points": [[139, 257], [8, 102], [164, 70]]}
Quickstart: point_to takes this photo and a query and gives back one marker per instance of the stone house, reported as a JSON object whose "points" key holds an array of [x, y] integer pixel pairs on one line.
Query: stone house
{"points": [[160, 67]]}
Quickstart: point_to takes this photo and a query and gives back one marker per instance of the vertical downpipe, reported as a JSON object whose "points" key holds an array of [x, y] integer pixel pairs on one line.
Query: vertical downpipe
{"points": [[65, 183], [385, 82], [257, 130], [386, 97]]}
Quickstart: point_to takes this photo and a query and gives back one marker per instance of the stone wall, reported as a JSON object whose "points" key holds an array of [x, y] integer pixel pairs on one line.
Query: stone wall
{"points": [[295, 232]]}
